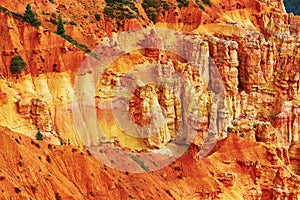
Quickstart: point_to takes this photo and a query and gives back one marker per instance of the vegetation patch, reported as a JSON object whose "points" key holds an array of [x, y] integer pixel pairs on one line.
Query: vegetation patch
{"points": [[200, 5], [39, 135], [97, 17], [14, 14], [17, 65], [4, 10], [60, 30], [30, 17], [207, 2], [153, 7], [182, 3], [140, 162], [120, 9]]}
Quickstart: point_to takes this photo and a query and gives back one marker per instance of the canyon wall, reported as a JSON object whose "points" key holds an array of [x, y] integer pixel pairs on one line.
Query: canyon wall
{"points": [[237, 65]]}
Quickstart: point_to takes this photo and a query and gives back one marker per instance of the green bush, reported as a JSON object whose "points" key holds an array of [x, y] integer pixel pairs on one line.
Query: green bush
{"points": [[17, 65], [4, 10], [140, 162], [166, 6], [39, 135], [182, 3], [130, 15], [200, 5], [109, 12], [73, 23], [207, 2], [121, 9], [60, 26], [30, 17], [151, 8], [149, 3], [53, 21], [77, 44], [97, 17]]}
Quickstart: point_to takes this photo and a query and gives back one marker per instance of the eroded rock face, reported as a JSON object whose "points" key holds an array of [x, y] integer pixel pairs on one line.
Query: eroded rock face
{"points": [[294, 153], [255, 67], [227, 179], [41, 116], [255, 48]]}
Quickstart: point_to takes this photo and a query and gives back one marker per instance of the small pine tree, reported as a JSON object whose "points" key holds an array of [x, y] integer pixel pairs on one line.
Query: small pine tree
{"points": [[60, 26], [30, 16], [98, 17], [39, 135], [17, 65]]}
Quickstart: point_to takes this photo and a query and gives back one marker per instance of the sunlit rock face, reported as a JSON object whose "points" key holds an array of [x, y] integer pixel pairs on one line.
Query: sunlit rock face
{"points": [[254, 48], [257, 57]]}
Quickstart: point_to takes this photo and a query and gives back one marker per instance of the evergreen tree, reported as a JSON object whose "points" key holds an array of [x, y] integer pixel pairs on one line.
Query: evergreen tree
{"points": [[60, 26], [30, 16], [39, 135], [17, 64]]}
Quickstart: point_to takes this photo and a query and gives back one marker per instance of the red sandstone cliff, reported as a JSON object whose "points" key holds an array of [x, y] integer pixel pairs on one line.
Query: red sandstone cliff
{"points": [[255, 46]]}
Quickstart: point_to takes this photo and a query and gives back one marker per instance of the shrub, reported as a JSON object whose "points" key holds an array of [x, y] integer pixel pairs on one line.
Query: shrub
{"points": [[97, 17], [151, 8], [120, 9], [182, 3], [39, 135], [30, 17], [130, 15], [77, 44], [17, 15], [53, 21], [207, 2], [60, 26], [200, 5], [166, 6], [140, 162], [109, 12], [17, 65], [61, 31], [73, 23], [148, 3], [4, 10]]}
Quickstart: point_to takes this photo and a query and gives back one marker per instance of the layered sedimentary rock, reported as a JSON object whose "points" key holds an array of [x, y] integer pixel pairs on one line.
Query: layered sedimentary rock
{"points": [[29, 168], [255, 66], [237, 66]]}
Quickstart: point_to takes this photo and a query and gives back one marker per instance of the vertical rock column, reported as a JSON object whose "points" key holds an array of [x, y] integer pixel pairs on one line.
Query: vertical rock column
{"points": [[225, 57]]}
